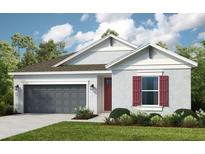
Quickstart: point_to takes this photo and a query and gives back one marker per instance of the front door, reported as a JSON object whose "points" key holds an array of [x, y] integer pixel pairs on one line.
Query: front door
{"points": [[107, 94]]}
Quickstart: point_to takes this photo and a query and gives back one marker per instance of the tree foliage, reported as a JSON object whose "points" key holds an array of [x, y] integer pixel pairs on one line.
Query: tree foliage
{"points": [[32, 53], [8, 63], [196, 53], [162, 44], [22, 41], [29, 58], [49, 50], [8, 55], [108, 32]]}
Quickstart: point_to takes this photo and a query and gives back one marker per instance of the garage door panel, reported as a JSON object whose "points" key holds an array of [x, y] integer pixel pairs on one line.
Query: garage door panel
{"points": [[53, 98]]}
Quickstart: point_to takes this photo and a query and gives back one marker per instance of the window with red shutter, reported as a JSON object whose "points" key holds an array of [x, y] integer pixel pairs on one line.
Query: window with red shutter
{"points": [[136, 90], [150, 90], [164, 91]]}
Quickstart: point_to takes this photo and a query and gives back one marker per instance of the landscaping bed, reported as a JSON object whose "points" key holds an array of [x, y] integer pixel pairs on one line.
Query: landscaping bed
{"points": [[85, 118], [180, 118], [83, 113]]}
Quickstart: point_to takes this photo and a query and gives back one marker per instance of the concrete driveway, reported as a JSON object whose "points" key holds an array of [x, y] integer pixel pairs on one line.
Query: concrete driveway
{"points": [[16, 124]]}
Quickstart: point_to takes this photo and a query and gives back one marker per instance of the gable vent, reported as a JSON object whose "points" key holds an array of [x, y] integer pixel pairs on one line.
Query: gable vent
{"points": [[111, 41], [150, 53]]}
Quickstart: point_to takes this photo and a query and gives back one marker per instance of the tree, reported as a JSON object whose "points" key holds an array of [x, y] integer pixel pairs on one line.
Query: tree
{"points": [[4, 82], [8, 63], [198, 74], [32, 54], [49, 50], [8, 55], [162, 44], [26, 43], [29, 58], [22, 41], [109, 31]]}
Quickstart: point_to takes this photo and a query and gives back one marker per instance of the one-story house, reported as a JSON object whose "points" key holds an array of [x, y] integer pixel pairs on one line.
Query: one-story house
{"points": [[110, 73]]}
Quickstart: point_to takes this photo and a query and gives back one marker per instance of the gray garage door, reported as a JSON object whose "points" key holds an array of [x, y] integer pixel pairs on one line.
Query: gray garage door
{"points": [[53, 98]]}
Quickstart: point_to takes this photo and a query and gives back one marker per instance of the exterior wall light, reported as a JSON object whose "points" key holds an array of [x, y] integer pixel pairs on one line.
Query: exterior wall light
{"points": [[17, 87], [91, 86]]}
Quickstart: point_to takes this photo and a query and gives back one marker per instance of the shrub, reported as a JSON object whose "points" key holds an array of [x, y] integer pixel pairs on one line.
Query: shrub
{"points": [[1, 109], [185, 112], [172, 120], [8, 110], [141, 118], [83, 113], [190, 121], [154, 114], [201, 117], [125, 120], [156, 120], [118, 112], [8, 98], [109, 121]]}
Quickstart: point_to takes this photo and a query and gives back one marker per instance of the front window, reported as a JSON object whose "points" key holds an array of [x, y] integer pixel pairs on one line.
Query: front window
{"points": [[150, 90]]}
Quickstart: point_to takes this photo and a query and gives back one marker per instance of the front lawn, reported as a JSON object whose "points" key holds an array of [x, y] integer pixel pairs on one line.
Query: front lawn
{"points": [[75, 131]]}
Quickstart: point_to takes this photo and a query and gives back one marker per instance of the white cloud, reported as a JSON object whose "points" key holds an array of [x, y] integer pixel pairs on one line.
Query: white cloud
{"points": [[148, 23], [111, 17], [83, 39], [58, 33], [181, 22], [84, 17], [201, 35], [167, 29], [163, 27], [126, 31]]}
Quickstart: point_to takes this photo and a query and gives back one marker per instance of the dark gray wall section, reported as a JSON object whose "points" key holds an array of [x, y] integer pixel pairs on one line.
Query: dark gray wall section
{"points": [[53, 98]]}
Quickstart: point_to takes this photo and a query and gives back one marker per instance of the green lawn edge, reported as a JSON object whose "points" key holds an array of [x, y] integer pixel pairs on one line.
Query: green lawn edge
{"points": [[84, 131]]}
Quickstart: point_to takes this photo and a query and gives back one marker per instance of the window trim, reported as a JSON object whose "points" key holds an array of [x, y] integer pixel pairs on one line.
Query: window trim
{"points": [[158, 90]]}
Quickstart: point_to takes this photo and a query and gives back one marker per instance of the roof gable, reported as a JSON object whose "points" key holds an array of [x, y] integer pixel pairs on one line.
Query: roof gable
{"points": [[98, 46], [166, 52]]}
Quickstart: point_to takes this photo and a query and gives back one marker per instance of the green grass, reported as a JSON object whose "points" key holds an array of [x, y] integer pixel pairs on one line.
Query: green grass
{"points": [[75, 131]]}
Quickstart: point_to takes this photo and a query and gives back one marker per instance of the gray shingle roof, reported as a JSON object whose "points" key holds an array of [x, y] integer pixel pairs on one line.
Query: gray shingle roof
{"points": [[46, 66]]}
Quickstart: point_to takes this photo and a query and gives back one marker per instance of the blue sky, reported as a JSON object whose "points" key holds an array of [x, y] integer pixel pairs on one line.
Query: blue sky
{"points": [[79, 30]]}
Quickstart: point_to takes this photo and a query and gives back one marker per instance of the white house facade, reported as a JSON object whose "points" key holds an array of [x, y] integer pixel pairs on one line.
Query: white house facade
{"points": [[108, 74]]}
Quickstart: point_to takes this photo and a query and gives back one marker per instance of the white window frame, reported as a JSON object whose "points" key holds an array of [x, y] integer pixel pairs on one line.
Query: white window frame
{"points": [[158, 91]]}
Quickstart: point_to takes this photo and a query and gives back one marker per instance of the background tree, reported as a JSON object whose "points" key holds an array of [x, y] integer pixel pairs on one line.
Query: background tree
{"points": [[22, 41], [162, 44], [49, 50], [198, 74], [8, 63], [109, 31], [27, 45], [29, 58], [8, 55]]}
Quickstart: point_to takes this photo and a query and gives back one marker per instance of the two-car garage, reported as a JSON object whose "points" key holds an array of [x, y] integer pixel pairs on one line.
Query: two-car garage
{"points": [[54, 98]]}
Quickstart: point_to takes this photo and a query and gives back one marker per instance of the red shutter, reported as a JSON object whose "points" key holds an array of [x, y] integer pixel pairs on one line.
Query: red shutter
{"points": [[136, 90], [164, 91]]}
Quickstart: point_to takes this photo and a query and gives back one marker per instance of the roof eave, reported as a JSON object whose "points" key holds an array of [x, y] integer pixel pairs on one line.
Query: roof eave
{"points": [[61, 72]]}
